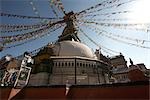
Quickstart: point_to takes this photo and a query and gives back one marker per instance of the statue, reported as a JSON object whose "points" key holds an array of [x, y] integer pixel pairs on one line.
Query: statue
{"points": [[131, 62]]}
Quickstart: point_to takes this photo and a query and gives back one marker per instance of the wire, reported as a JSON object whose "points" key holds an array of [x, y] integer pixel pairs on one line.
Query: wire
{"points": [[53, 10], [132, 26], [102, 4], [59, 5], [34, 8], [102, 19], [6, 28], [46, 34], [96, 42], [105, 5], [28, 17], [26, 36], [105, 14], [118, 36], [116, 39]]}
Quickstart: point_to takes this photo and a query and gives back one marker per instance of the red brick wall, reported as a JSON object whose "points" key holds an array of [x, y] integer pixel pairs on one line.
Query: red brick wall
{"points": [[111, 91], [136, 75], [4, 93], [125, 92]]}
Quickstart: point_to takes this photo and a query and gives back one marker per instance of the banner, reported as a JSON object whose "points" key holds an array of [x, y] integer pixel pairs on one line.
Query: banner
{"points": [[105, 33], [107, 4], [94, 42], [23, 16], [23, 77], [53, 10], [100, 31], [105, 14], [34, 38], [131, 26], [17, 28], [58, 4], [25, 36]]}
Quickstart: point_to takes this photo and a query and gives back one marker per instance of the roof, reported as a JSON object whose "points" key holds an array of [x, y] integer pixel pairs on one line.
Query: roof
{"points": [[118, 70], [73, 48]]}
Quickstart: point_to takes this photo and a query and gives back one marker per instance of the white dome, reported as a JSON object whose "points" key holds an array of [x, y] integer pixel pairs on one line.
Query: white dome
{"points": [[72, 48]]}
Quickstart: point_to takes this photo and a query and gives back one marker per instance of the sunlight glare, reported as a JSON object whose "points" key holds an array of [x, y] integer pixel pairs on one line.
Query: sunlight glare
{"points": [[141, 11]]}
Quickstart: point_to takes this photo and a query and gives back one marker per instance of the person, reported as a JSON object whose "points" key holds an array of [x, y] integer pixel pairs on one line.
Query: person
{"points": [[131, 62], [67, 87], [27, 60]]}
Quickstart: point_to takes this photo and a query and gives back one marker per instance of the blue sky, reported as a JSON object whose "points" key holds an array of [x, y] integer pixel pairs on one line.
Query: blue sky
{"points": [[23, 7]]}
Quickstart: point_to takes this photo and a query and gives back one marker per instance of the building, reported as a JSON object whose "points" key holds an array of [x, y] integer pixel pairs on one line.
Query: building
{"points": [[119, 69], [9, 68], [138, 73], [121, 73], [68, 61]]}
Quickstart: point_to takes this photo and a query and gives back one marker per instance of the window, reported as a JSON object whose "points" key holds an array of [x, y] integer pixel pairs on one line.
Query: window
{"points": [[80, 64], [58, 63], [72, 64], [86, 65], [83, 65], [77, 64], [89, 65], [92, 65], [69, 64], [62, 64], [65, 63]]}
